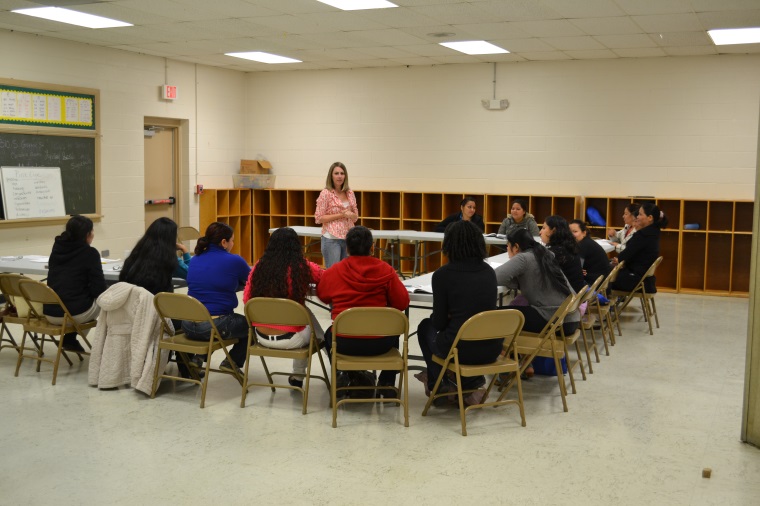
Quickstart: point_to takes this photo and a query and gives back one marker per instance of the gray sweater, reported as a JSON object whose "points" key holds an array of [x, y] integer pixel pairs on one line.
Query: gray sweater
{"points": [[528, 223], [522, 272]]}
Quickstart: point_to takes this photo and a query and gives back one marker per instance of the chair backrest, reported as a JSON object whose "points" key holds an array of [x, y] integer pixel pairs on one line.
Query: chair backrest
{"points": [[577, 300], [188, 234], [9, 285], [371, 321], [653, 267], [591, 292], [273, 311], [611, 277], [494, 324], [553, 324], [178, 306]]}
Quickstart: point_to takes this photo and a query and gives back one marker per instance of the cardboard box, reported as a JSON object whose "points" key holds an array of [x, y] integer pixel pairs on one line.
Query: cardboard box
{"points": [[253, 180], [255, 167]]}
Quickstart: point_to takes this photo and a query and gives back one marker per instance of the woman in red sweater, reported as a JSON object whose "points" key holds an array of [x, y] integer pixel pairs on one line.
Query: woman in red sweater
{"points": [[362, 280], [283, 272]]}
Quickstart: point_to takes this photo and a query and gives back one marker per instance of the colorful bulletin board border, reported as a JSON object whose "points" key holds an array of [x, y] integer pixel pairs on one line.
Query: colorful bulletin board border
{"points": [[31, 106]]}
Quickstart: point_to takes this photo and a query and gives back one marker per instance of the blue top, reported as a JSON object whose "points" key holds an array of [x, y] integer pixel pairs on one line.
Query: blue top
{"points": [[183, 263], [214, 277]]}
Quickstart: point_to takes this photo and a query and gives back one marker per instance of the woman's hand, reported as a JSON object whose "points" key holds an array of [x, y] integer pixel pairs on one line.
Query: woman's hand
{"points": [[181, 247], [350, 215], [614, 261]]}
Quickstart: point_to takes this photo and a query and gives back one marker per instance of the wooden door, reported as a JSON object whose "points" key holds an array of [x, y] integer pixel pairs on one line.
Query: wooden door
{"points": [[160, 173]]}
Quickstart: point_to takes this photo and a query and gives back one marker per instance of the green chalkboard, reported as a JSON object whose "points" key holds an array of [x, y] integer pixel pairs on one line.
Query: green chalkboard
{"points": [[74, 155]]}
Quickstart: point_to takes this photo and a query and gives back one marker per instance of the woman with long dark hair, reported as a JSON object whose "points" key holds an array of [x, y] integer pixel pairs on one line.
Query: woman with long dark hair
{"points": [[462, 288], [76, 275], [153, 259], [595, 260], [283, 272], [467, 212], [559, 240], [642, 249], [519, 217], [214, 277]]}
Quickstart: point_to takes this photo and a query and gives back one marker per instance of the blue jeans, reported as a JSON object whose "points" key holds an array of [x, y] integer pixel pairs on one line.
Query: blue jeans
{"points": [[229, 326], [333, 251]]}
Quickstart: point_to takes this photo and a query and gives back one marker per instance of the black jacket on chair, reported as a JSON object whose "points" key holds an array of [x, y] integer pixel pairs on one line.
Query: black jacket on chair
{"points": [[76, 275]]}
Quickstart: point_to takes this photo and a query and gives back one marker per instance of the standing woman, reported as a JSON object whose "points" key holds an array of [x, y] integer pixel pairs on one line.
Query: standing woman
{"points": [[283, 272], [462, 288], [642, 249], [214, 277], [76, 275], [336, 212], [467, 213], [559, 240], [621, 237], [519, 217], [595, 261]]}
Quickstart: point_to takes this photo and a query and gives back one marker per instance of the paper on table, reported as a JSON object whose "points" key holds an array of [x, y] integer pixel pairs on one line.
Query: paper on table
{"points": [[494, 264], [36, 258], [419, 288], [109, 260], [498, 236]]}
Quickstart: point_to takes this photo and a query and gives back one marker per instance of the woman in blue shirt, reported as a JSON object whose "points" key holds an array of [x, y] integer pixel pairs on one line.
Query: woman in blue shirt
{"points": [[214, 277]]}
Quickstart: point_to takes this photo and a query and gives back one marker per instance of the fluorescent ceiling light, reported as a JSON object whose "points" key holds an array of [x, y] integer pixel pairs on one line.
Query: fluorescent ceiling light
{"points": [[263, 57], [358, 5], [474, 47], [72, 17], [735, 36]]}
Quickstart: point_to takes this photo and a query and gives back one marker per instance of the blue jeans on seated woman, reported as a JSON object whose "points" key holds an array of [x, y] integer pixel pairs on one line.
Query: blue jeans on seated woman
{"points": [[333, 251], [365, 348], [229, 326]]}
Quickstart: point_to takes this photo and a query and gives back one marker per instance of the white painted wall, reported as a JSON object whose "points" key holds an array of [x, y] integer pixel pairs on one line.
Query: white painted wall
{"points": [[129, 91], [682, 127]]}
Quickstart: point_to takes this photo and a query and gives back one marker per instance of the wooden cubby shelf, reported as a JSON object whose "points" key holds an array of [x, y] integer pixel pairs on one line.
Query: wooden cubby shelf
{"points": [[712, 259]]}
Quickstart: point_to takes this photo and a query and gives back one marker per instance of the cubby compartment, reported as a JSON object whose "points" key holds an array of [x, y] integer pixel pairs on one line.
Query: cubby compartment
{"points": [[743, 213], [497, 208], [223, 202], [412, 206], [565, 207], [451, 204], [278, 221], [278, 202], [718, 273], [720, 217], [370, 205], [695, 214], [615, 213], [672, 209], [601, 205], [261, 202], [539, 207], [371, 223], [234, 202], [234, 223], [667, 272], [693, 249], [432, 205], [411, 225], [742, 253], [390, 205], [246, 202], [295, 203], [310, 202], [296, 221], [244, 241], [390, 225]]}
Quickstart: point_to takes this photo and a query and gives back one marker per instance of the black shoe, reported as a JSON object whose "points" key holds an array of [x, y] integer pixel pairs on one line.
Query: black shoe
{"points": [[227, 367], [197, 361], [184, 372], [73, 345], [295, 382]]}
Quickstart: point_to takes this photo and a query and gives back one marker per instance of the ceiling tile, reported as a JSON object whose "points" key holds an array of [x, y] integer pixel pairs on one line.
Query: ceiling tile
{"points": [[458, 13], [400, 18], [573, 43], [584, 8], [647, 7], [545, 56], [427, 50], [625, 41], [730, 19], [186, 10], [739, 49], [669, 22], [525, 45], [518, 10], [592, 54], [681, 39], [549, 28], [690, 51], [639, 52], [387, 52], [487, 31], [344, 21], [390, 37], [723, 5], [607, 26]]}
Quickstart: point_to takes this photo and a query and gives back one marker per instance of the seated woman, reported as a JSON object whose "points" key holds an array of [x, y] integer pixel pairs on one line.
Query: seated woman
{"points": [[535, 272], [76, 275], [519, 217], [462, 288], [557, 236], [153, 261], [214, 277], [283, 272], [362, 280], [641, 250], [621, 237], [467, 213], [595, 260]]}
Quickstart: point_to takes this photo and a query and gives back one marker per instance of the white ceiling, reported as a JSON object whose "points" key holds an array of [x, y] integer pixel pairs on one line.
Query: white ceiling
{"points": [[323, 37]]}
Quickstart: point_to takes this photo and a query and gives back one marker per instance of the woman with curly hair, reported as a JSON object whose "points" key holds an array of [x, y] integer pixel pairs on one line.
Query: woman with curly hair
{"points": [[283, 272], [557, 237]]}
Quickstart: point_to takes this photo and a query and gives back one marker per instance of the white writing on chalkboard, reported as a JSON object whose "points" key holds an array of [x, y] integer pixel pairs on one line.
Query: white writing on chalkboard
{"points": [[32, 192]]}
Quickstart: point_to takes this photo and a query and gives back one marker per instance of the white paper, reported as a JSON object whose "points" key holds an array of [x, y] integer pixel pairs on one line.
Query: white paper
{"points": [[419, 288], [85, 111], [54, 108], [39, 107], [72, 109], [8, 104], [37, 258]]}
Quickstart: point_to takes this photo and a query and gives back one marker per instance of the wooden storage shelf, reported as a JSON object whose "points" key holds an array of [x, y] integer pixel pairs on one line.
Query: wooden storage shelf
{"points": [[712, 259]]}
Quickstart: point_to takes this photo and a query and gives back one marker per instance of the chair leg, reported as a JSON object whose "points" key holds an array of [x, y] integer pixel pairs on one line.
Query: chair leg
{"points": [[266, 370], [580, 359], [57, 361], [654, 312], [155, 375], [334, 394], [585, 345], [244, 386], [462, 412], [561, 380]]}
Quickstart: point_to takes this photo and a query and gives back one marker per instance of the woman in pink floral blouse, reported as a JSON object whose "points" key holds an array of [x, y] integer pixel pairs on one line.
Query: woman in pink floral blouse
{"points": [[337, 213]]}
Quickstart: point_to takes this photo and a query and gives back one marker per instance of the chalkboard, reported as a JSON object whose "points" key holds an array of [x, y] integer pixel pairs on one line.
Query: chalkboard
{"points": [[74, 155], [32, 192]]}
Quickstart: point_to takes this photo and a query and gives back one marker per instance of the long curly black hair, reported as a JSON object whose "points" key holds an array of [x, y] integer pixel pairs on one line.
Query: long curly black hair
{"points": [[154, 258], [561, 243], [283, 260]]}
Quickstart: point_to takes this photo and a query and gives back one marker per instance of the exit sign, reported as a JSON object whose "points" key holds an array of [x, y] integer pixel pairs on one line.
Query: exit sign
{"points": [[168, 92]]}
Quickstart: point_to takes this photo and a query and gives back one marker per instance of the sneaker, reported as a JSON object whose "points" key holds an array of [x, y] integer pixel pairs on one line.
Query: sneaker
{"points": [[226, 366], [295, 381]]}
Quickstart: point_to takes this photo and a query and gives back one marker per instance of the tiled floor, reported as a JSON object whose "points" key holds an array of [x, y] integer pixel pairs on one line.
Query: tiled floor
{"points": [[640, 430]]}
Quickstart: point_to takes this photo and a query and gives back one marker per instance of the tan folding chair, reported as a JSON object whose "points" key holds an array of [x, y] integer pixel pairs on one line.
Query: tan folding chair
{"points": [[547, 343], [587, 324], [572, 340], [371, 321], [603, 315], [647, 299], [36, 323], [270, 311], [178, 306], [13, 300], [503, 324], [188, 234]]}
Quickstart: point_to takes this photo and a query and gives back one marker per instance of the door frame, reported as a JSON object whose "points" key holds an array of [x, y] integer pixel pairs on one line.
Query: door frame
{"points": [[180, 168]]}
